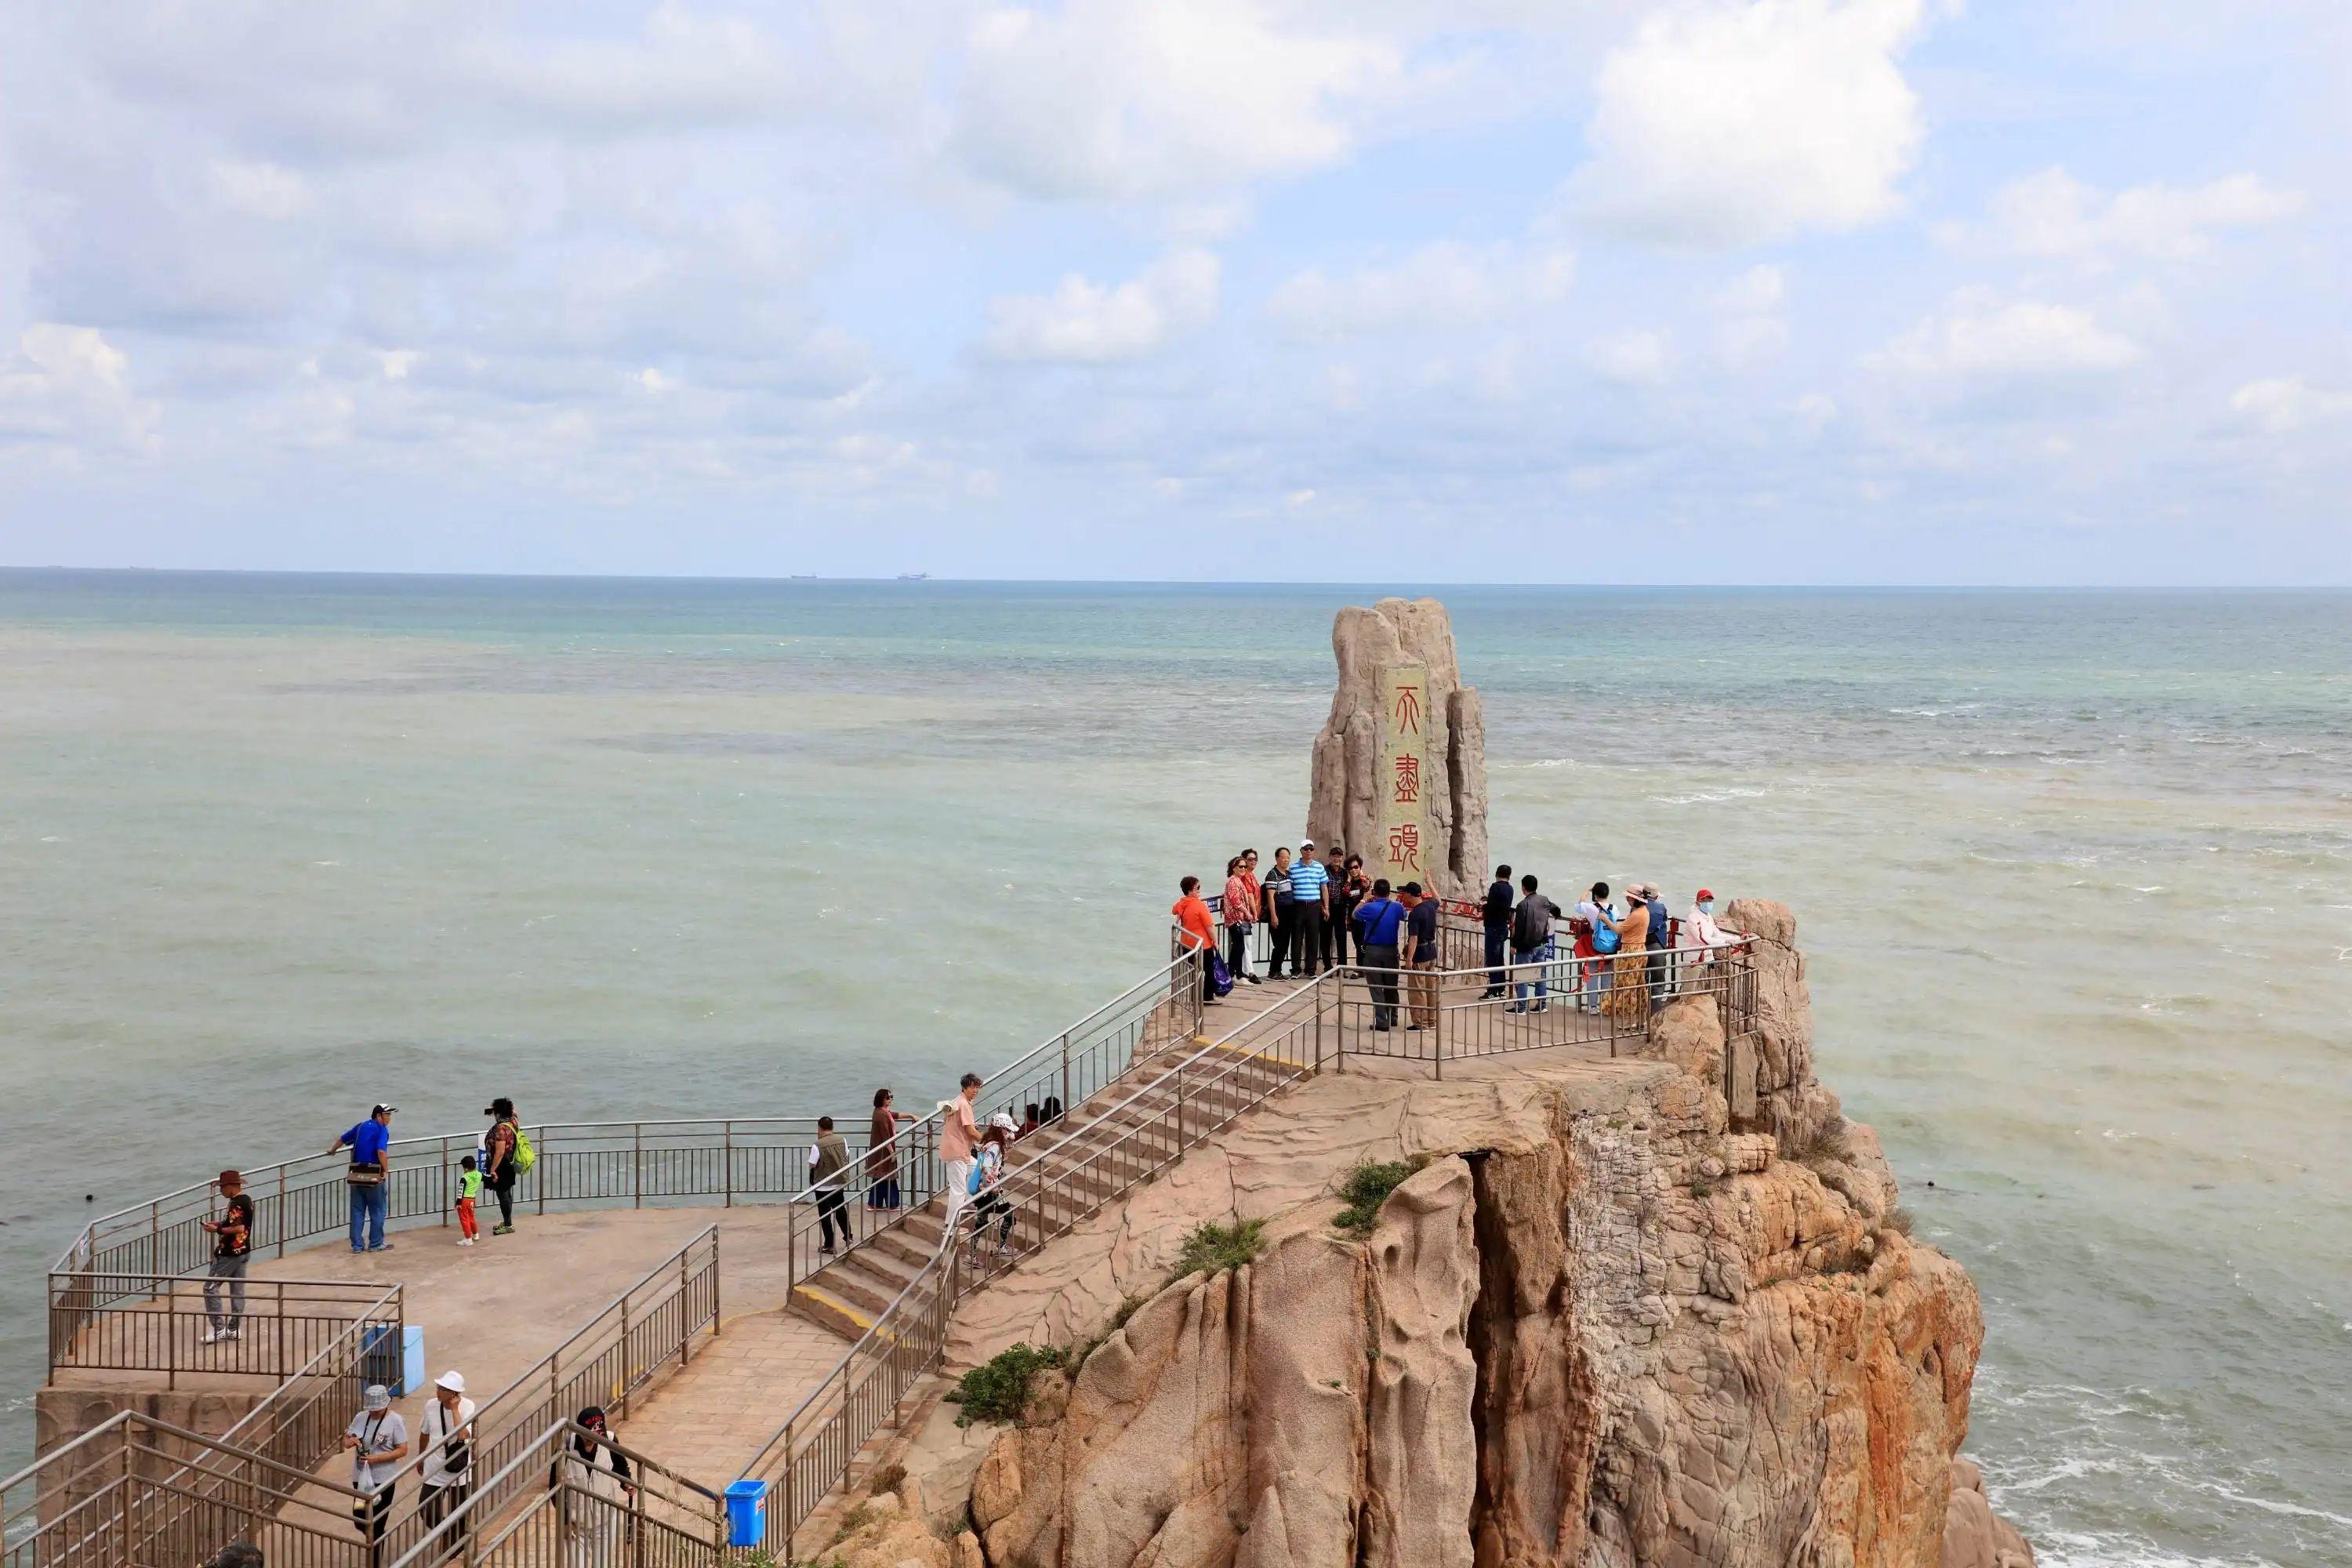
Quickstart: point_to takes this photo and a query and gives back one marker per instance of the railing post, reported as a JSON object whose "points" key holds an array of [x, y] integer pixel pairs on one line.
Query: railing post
{"points": [[281, 1210], [685, 1308], [636, 1165], [627, 1375], [1065, 1072], [727, 1155], [538, 1182], [445, 1181]]}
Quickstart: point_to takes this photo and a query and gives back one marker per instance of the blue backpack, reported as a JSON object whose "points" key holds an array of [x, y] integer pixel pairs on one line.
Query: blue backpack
{"points": [[1604, 939]]}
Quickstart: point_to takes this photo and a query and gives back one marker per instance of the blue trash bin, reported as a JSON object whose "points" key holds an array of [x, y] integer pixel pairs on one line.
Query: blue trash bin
{"points": [[747, 1513]]}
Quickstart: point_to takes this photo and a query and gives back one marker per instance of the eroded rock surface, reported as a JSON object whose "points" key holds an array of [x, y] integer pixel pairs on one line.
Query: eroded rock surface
{"points": [[1607, 1324], [1344, 806]]}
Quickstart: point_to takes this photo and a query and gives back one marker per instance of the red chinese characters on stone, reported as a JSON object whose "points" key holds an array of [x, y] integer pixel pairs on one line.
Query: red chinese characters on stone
{"points": [[1406, 788], [1404, 846], [1408, 709]]}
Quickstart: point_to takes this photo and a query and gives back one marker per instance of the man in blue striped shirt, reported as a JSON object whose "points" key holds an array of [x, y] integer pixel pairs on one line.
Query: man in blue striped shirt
{"points": [[1310, 895]]}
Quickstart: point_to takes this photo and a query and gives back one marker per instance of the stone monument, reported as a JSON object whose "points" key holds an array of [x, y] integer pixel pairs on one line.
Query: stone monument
{"points": [[1401, 765]]}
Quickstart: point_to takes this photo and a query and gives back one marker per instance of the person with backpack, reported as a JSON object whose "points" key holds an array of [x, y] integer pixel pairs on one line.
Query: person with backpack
{"points": [[1596, 940], [1531, 945], [370, 1142], [1496, 912], [1660, 946], [507, 1155]]}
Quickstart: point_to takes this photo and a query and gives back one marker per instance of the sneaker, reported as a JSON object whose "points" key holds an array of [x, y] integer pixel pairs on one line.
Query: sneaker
{"points": [[1516, 1007], [381, 1246], [502, 1230], [1409, 1029], [229, 1334], [213, 1336], [1539, 1008], [464, 1241]]}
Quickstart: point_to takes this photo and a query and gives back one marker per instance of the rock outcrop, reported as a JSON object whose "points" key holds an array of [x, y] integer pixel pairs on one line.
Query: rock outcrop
{"points": [[1344, 806], [1607, 1324]]}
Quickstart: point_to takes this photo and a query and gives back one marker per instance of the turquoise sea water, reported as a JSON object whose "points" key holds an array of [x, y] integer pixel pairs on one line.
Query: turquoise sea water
{"points": [[2074, 873]]}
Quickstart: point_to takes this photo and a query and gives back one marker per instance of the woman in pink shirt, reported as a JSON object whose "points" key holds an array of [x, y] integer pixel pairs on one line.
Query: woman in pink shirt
{"points": [[1240, 912]]}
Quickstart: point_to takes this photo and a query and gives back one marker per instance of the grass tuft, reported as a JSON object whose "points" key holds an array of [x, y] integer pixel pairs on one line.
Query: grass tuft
{"points": [[1213, 1248], [1367, 1186], [1899, 1220], [1830, 1144], [998, 1389]]}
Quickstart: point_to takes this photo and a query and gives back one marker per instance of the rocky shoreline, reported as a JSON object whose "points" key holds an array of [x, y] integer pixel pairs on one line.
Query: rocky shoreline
{"points": [[1607, 1321]]}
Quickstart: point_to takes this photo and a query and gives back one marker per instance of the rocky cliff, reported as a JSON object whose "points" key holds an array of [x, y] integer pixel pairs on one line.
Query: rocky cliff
{"points": [[1343, 805], [1609, 1321]]}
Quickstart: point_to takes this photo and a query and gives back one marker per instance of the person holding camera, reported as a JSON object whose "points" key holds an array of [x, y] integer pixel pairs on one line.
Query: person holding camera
{"points": [[377, 1440]]}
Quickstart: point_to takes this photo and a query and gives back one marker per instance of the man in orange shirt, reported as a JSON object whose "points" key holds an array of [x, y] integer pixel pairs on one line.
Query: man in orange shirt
{"points": [[1197, 932]]}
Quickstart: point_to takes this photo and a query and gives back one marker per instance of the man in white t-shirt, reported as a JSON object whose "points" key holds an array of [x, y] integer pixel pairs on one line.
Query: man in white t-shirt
{"points": [[377, 1440], [446, 1436]]}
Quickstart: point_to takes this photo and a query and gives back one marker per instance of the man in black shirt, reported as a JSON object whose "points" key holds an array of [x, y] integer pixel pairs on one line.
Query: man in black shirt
{"points": [[1497, 912], [1420, 956], [232, 1250]]}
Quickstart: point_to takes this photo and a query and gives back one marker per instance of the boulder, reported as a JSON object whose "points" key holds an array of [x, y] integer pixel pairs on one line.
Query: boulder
{"points": [[1344, 804]]}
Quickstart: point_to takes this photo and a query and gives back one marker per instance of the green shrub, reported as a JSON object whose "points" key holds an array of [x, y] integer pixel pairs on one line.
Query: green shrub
{"points": [[998, 1389], [1213, 1248], [1127, 1309], [1367, 1186]]}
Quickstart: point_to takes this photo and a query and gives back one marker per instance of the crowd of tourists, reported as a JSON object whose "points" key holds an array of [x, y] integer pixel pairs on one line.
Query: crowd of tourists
{"points": [[1314, 906]]}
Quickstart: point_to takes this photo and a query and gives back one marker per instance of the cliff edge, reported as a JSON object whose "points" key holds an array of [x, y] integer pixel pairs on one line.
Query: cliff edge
{"points": [[1606, 1321]]}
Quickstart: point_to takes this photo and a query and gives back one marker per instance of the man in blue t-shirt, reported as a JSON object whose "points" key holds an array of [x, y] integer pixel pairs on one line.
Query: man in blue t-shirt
{"points": [[1310, 900], [371, 1146], [1378, 921]]}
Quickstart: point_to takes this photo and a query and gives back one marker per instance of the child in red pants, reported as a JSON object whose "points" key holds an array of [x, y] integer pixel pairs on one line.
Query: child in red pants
{"points": [[470, 1187]]}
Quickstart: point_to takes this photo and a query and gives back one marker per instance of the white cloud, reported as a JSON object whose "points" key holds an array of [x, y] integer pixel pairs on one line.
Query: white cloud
{"points": [[1085, 322], [1976, 334], [1632, 359], [68, 383], [2285, 404], [2051, 213], [1110, 98], [257, 189], [1440, 285], [1727, 122]]}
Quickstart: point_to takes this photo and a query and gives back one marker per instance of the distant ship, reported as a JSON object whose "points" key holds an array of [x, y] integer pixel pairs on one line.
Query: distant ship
{"points": [[804, 576], [914, 576]]}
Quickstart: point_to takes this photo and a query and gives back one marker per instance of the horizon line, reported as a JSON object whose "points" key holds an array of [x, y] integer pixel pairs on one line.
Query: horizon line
{"points": [[928, 579]]}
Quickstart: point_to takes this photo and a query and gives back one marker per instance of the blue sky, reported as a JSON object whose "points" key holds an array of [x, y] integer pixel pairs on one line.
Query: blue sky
{"points": [[1710, 291]]}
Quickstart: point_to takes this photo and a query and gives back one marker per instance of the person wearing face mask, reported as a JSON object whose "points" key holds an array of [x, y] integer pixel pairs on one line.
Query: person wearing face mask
{"points": [[1699, 937]]}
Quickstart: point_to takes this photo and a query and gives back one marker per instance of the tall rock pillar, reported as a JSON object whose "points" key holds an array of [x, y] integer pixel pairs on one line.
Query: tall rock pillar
{"points": [[1352, 798]]}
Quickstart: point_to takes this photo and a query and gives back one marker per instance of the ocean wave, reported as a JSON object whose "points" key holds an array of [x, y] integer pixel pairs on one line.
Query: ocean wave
{"points": [[1710, 797]]}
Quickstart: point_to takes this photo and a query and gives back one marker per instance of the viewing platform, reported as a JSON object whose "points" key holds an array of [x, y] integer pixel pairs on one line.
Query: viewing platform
{"points": [[670, 1272]]}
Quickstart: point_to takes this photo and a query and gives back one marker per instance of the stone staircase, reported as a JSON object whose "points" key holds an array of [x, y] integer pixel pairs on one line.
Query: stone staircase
{"points": [[1061, 1173]]}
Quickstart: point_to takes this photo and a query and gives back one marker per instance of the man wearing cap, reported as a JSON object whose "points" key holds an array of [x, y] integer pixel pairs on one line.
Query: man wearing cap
{"points": [[1310, 898], [371, 1146], [232, 1250], [1700, 936], [1662, 942], [445, 1433], [377, 1440]]}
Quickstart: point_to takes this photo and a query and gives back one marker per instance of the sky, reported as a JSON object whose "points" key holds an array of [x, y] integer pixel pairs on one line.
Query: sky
{"points": [[1492, 290]]}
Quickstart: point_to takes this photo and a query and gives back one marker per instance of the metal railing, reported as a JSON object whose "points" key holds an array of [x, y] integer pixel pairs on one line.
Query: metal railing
{"points": [[577, 1513], [580, 1163], [137, 1492], [650, 1329], [1105, 1150], [1062, 1072], [159, 1325]]}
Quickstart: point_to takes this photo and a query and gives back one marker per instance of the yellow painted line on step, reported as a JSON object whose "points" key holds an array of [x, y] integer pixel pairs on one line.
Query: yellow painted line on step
{"points": [[863, 1322]]}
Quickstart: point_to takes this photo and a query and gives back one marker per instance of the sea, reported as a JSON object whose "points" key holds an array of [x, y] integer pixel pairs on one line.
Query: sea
{"points": [[2072, 869]]}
